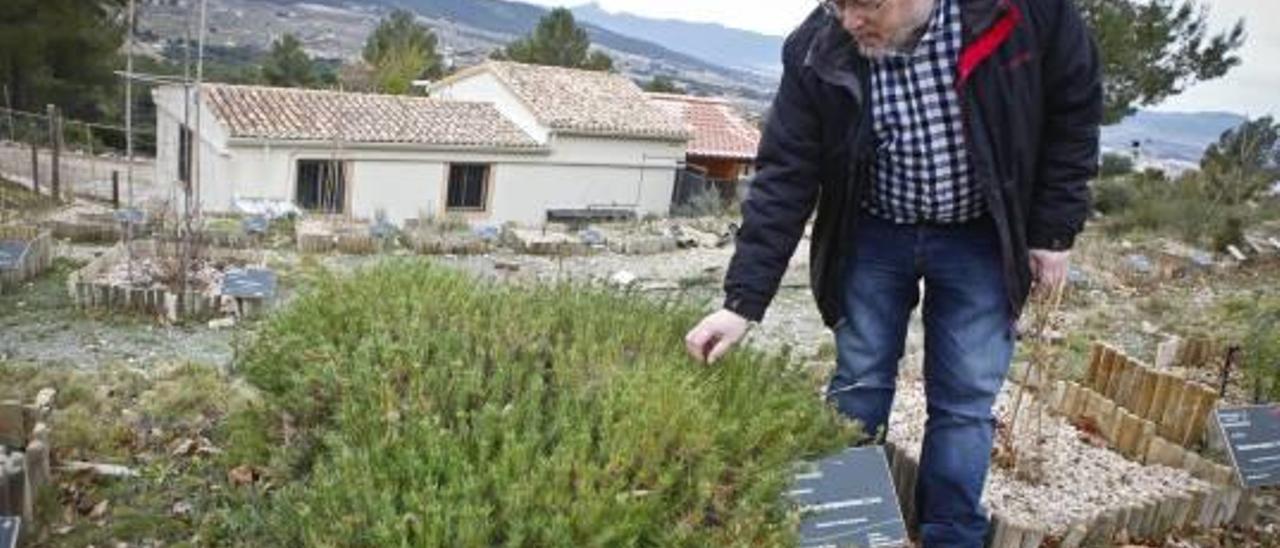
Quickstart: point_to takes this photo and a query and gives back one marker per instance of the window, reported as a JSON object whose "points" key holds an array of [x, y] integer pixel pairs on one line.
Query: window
{"points": [[184, 153], [468, 187], [322, 186]]}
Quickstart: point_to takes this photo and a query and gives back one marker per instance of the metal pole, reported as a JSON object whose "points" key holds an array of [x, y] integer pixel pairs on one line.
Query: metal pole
{"points": [[35, 167], [128, 138], [198, 137]]}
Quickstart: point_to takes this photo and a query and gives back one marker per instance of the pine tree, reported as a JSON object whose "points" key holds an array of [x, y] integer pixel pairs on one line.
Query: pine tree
{"points": [[557, 41], [1155, 49], [1245, 162], [61, 52], [400, 51], [288, 65]]}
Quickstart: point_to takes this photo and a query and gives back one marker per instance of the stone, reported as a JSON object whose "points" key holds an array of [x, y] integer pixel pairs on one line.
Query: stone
{"points": [[1202, 260], [222, 323], [44, 398], [1236, 253], [105, 470], [1167, 352], [622, 278], [1138, 265]]}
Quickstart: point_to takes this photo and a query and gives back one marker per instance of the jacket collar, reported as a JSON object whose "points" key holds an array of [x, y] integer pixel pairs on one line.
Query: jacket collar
{"points": [[833, 55]]}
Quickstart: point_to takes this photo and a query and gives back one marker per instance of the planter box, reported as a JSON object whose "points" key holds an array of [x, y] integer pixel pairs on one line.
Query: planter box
{"points": [[90, 292]]}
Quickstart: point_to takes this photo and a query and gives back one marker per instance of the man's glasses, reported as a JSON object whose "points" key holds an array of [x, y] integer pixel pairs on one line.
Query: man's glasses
{"points": [[837, 8]]}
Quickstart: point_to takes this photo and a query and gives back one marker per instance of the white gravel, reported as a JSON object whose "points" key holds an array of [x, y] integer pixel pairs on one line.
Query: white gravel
{"points": [[1080, 481]]}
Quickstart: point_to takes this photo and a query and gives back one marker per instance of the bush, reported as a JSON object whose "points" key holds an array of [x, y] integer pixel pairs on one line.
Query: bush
{"points": [[1182, 208], [706, 202], [1113, 196], [429, 409], [1114, 165], [1257, 318]]}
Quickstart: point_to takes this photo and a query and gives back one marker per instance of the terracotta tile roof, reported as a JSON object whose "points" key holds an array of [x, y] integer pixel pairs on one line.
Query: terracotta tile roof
{"points": [[314, 115], [718, 130], [582, 101]]}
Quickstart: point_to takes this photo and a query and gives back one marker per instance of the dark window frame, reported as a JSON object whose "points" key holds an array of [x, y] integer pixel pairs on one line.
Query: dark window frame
{"points": [[185, 138], [467, 184], [318, 199]]}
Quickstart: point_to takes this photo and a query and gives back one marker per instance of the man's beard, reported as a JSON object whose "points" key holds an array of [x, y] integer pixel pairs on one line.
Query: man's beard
{"points": [[904, 39]]}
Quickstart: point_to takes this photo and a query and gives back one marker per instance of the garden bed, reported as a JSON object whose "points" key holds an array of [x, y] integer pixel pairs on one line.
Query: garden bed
{"points": [[25, 252], [447, 238], [147, 281], [323, 234], [93, 223], [1084, 492]]}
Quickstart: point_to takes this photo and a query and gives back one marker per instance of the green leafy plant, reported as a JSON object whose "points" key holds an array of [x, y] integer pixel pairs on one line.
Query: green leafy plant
{"points": [[424, 408]]}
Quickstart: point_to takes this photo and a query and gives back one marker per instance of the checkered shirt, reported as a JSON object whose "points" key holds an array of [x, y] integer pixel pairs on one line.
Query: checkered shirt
{"points": [[922, 172]]}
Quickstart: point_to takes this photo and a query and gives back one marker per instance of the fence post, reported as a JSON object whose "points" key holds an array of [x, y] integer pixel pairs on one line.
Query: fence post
{"points": [[115, 189], [35, 167], [54, 142]]}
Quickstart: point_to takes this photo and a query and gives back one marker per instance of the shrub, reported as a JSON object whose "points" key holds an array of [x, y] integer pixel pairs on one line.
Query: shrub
{"points": [[1183, 208], [429, 409], [706, 202], [1256, 320], [1114, 195], [1114, 164]]}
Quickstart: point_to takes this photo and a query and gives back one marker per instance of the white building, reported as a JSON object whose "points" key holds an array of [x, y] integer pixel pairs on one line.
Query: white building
{"points": [[496, 143]]}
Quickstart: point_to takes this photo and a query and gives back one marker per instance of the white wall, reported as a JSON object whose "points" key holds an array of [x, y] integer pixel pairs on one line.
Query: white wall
{"points": [[406, 181], [212, 157], [486, 88], [402, 190], [524, 193]]}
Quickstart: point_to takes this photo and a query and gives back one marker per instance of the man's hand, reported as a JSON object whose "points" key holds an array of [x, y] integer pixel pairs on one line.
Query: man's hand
{"points": [[715, 335], [1049, 268]]}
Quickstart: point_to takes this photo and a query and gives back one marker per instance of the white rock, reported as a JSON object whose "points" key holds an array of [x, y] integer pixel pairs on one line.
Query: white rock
{"points": [[622, 278], [222, 323]]}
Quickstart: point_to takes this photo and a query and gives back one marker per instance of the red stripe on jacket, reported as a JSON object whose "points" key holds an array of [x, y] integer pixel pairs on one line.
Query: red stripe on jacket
{"points": [[988, 43]]}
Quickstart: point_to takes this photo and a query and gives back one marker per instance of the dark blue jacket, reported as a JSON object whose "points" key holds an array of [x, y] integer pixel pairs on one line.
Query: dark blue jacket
{"points": [[1031, 87]]}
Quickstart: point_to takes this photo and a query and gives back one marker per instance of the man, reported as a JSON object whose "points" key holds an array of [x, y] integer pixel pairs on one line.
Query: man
{"points": [[949, 141]]}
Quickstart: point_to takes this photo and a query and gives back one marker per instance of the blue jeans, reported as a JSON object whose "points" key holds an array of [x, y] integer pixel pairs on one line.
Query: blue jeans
{"points": [[968, 345]]}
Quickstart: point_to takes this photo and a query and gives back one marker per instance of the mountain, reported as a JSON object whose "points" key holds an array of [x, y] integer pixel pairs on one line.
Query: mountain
{"points": [[718, 44], [518, 18], [1181, 136], [469, 30]]}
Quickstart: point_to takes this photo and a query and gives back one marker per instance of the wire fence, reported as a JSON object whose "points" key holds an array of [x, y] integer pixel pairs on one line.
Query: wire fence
{"points": [[66, 158]]}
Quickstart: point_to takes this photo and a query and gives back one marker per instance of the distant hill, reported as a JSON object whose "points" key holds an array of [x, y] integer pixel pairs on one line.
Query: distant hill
{"points": [[468, 30], [518, 18], [1181, 136], [717, 44]]}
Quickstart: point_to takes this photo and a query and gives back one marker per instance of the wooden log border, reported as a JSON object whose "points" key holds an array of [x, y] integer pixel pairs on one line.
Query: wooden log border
{"points": [[171, 305], [1179, 408], [24, 466]]}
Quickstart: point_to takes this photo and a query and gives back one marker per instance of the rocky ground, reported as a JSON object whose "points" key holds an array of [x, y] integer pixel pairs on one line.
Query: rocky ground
{"points": [[1107, 301]]}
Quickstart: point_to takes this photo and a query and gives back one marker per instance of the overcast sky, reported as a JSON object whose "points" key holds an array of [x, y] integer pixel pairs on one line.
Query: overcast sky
{"points": [[1253, 88]]}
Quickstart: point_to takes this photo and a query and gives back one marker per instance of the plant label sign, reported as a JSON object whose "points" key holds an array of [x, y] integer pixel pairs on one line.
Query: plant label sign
{"points": [[9, 527], [848, 500], [1253, 436], [11, 252]]}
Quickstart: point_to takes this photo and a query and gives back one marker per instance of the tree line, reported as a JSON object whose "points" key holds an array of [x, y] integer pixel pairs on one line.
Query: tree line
{"points": [[64, 52]]}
